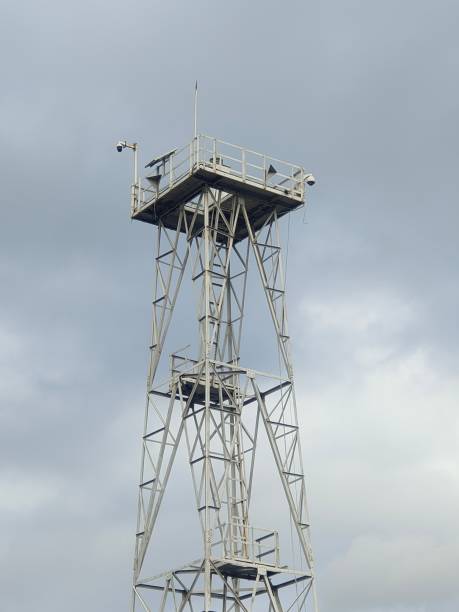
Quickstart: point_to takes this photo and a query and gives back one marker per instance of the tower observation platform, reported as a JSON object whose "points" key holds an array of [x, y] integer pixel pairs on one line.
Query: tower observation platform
{"points": [[265, 183], [215, 210]]}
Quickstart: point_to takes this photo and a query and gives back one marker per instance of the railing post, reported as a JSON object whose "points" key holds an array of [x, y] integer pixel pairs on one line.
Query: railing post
{"points": [[214, 153], [243, 165]]}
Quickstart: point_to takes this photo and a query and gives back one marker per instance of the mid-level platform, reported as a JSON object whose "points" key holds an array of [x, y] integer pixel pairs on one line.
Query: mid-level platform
{"points": [[265, 183], [282, 576]]}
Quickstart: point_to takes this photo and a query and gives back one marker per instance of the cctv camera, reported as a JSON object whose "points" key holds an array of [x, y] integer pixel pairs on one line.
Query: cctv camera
{"points": [[310, 180], [120, 146]]}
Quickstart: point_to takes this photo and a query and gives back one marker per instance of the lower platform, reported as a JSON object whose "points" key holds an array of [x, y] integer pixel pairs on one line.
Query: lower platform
{"points": [[234, 584], [233, 568]]}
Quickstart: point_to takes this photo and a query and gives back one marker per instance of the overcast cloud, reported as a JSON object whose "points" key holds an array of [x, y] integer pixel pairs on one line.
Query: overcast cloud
{"points": [[366, 95]]}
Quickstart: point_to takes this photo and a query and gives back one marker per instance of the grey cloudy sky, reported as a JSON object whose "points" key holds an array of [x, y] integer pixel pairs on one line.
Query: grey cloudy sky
{"points": [[366, 95]]}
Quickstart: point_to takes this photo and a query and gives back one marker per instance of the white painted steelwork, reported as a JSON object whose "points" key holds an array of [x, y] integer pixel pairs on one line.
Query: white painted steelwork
{"points": [[215, 205]]}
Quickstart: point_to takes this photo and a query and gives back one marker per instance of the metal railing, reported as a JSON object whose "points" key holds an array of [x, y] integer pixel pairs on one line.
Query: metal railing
{"points": [[248, 543], [250, 166], [220, 157]]}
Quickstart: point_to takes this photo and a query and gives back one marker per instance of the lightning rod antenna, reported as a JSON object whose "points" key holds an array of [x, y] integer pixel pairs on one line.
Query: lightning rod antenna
{"points": [[196, 109]]}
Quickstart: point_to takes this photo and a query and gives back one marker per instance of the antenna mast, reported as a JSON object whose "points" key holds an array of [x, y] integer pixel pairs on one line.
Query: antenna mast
{"points": [[196, 109]]}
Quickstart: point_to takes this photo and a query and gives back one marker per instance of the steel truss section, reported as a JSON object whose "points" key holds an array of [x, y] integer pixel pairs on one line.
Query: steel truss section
{"points": [[217, 405]]}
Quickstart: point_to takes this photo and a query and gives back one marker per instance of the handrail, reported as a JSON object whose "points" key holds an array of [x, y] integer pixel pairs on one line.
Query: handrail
{"points": [[229, 144], [221, 157], [239, 541]]}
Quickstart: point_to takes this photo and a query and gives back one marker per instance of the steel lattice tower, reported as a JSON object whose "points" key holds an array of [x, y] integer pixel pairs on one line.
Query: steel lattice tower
{"points": [[217, 208]]}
